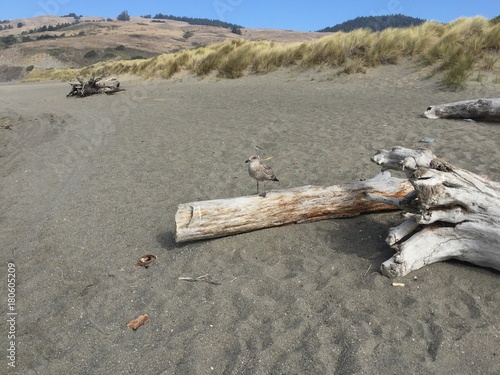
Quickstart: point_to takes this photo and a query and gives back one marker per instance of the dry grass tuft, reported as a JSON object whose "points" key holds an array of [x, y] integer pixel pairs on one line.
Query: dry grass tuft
{"points": [[355, 65]]}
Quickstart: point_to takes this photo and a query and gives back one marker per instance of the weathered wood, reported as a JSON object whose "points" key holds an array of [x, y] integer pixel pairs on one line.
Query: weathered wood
{"points": [[224, 217], [479, 110], [453, 214], [94, 86]]}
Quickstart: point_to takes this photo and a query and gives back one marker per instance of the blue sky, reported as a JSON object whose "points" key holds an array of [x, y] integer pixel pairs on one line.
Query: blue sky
{"points": [[303, 15]]}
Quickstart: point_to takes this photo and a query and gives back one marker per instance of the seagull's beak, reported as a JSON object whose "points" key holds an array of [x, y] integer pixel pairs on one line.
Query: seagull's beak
{"points": [[246, 161]]}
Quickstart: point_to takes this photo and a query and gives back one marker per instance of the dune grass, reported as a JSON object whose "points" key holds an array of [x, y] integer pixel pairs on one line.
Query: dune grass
{"points": [[454, 50]]}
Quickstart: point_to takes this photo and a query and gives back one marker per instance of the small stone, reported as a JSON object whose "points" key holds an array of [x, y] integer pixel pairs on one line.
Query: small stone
{"points": [[426, 140]]}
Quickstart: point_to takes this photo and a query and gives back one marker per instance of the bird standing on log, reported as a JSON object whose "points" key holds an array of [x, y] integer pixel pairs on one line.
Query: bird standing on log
{"points": [[260, 172]]}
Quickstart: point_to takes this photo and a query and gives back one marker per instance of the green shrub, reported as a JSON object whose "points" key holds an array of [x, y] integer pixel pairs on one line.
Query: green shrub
{"points": [[90, 54], [108, 55], [236, 30], [123, 16], [8, 40]]}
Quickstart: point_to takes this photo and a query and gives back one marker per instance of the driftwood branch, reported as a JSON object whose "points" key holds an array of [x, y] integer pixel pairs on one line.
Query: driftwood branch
{"points": [[224, 217], [94, 86], [479, 110], [452, 213]]}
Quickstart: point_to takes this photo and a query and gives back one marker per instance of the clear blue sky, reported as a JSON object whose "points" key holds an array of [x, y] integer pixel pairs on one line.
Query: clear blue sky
{"points": [[304, 15]]}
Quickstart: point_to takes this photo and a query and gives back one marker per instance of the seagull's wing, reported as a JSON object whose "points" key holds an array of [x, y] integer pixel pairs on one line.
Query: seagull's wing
{"points": [[267, 170]]}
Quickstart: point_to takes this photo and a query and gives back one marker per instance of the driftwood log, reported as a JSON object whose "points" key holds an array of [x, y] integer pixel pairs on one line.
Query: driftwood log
{"points": [[452, 213], [94, 86], [478, 110], [224, 217]]}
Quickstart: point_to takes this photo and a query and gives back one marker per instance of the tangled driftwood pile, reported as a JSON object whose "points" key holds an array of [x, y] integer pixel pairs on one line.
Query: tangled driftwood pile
{"points": [[451, 214], [93, 86]]}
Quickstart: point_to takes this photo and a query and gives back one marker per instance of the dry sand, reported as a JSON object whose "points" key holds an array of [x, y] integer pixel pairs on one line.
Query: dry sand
{"points": [[88, 186]]}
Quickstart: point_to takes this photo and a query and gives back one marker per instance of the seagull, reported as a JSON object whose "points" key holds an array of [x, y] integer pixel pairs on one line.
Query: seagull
{"points": [[259, 171]]}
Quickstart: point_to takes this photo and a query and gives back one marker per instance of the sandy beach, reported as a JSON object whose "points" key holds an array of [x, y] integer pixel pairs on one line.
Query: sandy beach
{"points": [[88, 186]]}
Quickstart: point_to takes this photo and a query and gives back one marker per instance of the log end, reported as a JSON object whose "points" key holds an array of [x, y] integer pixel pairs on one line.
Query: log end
{"points": [[391, 268], [430, 112]]}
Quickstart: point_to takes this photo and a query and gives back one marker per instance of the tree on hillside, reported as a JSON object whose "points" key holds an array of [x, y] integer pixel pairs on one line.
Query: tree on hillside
{"points": [[196, 21], [375, 23], [72, 15], [123, 16]]}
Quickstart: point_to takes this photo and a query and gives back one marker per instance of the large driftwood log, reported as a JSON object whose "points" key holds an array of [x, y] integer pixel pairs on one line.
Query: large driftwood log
{"points": [[479, 110], [452, 213], [224, 217]]}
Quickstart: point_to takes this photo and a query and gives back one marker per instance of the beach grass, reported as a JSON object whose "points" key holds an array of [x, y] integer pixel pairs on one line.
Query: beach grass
{"points": [[455, 50]]}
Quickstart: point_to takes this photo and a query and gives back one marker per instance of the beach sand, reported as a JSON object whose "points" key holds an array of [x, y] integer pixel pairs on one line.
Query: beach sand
{"points": [[88, 186]]}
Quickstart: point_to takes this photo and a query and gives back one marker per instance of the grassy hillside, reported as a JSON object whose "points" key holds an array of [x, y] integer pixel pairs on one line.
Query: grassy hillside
{"points": [[456, 49]]}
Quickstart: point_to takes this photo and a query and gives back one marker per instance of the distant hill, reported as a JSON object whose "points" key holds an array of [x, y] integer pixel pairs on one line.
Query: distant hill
{"points": [[375, 23]]}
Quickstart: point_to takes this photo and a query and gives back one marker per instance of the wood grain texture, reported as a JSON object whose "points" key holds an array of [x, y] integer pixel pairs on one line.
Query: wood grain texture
{"points": [[453, 213], [224, 217], [478, 109]]}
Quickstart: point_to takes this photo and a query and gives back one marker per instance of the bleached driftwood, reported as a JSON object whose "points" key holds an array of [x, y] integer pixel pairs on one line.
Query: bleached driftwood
{"points": [[224, 217], [94, 86], [479, 110], [452, 213]]}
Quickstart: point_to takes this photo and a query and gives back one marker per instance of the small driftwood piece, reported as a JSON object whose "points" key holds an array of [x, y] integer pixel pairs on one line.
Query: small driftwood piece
{"points": [[206, 278], [224, 217], [479, 110], [138, 322], [452, 213], [94, 86]]}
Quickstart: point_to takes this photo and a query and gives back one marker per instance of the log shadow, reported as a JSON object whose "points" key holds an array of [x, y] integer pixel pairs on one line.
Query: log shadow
{"points": [[364, 236], [167, 241]]}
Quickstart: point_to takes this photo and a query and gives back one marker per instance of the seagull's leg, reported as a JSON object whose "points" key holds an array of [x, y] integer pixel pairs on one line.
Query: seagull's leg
{"points": [[263, 195], [257, 187]]}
